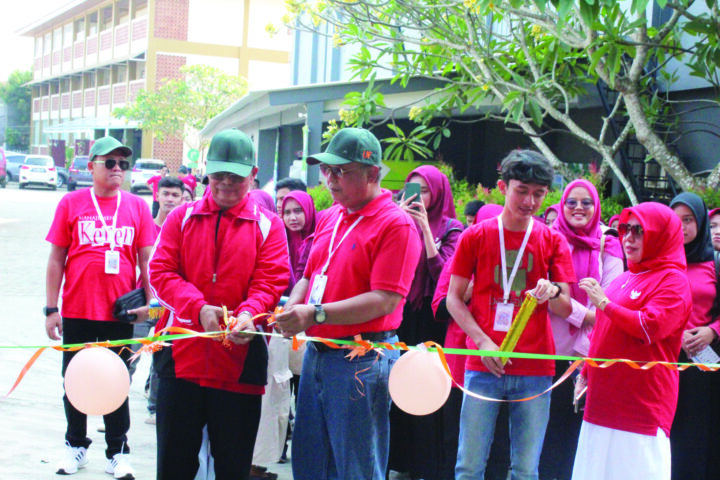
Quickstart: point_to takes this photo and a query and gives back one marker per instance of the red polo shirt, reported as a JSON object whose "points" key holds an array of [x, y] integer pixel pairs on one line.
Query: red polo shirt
{"points": [[380, 253]]}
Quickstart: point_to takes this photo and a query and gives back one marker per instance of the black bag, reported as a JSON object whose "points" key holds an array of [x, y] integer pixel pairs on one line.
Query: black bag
{"points": [[129, 301]]}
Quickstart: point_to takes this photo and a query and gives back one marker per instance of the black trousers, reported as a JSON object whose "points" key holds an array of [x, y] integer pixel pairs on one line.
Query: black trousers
{"points": [[117, 423], [694, 429], [183, 409]]}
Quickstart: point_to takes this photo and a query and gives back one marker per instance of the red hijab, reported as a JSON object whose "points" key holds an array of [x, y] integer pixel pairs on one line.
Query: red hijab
{"points": [[296, 239], [663, 239], [586, 240]]}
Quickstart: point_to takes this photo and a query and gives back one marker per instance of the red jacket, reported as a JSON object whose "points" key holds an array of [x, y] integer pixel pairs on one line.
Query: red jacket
{"points": [[237, 258]]}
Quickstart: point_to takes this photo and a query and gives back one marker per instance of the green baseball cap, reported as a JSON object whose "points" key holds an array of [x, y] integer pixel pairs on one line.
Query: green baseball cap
{"points": [[350, 145], [231, 151], [105, 145]]}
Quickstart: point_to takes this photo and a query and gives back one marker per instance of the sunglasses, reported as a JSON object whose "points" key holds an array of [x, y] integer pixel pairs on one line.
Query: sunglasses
{"points": [[221, 176], [111, 162], [625, 228], [572, 203], [338, 172]]}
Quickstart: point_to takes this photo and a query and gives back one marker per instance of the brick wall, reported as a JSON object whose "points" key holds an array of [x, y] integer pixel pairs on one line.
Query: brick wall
{"points": [[168, 67], [170, 151], [171, 19]]}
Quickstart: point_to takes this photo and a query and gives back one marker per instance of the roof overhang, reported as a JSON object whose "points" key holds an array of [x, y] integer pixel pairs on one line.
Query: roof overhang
{"points": [[83, 124], [60, 15]]}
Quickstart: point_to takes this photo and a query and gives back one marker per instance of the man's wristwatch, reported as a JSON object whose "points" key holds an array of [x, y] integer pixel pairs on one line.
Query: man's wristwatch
{"points": [[320, 316], [48, 310], [559, 291]]}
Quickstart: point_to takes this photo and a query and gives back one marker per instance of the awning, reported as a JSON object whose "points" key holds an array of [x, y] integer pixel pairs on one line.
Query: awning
{"points": [[78, 125]]}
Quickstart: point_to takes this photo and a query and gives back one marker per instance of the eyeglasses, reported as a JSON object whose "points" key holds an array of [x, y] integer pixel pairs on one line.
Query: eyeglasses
{"points": [[338, 172], [111, 162], [221, 176], [625, 228], [572, 203]]}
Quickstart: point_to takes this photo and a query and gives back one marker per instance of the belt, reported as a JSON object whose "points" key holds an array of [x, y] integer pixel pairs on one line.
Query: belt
{"points": [[369, 336]]}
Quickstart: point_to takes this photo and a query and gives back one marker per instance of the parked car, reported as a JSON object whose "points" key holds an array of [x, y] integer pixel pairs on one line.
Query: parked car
{"points": [[62, 175], [144, 169], [3, 169], [78, 174], [38, 170], [14, 162]]}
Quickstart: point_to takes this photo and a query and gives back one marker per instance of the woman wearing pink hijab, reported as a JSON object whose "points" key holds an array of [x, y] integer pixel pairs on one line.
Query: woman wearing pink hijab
{"points": [[416, 443], [595, 256], [640, 316], [298, 213]]}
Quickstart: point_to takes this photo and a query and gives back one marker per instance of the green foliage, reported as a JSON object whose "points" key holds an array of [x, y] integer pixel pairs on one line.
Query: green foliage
{"points": [[16, 94], [711, 196], [523, 62], [462, 192], [186, 103], [69, 156], [321, 197]]}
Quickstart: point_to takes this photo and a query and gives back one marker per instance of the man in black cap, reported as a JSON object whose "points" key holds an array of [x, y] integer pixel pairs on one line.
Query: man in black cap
{"points": [[98, 237], [359, 271]]}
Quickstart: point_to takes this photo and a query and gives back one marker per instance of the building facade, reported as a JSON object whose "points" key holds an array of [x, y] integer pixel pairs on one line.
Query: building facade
{"points": [[93, 56]]}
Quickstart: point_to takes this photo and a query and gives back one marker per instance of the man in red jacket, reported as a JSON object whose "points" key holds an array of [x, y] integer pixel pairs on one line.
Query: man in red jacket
{"points": [[223, 250]]}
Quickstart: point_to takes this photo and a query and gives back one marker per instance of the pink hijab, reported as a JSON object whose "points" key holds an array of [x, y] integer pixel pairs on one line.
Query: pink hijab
{"points": [[442, 206], [663, 239], [263, 199], [296, 239], [586, 241]]}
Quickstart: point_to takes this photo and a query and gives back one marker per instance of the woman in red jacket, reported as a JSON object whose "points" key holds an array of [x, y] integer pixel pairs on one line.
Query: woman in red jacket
{"points": [[641, 316]]}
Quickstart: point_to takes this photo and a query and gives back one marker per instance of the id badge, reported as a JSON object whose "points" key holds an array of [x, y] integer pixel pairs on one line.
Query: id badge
{"points": [[112, 262], [317, 290], [503, 317]]}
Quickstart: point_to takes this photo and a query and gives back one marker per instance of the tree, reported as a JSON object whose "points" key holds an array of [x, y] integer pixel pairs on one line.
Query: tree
{"points": [[182, 107], [527, 62], [16, 94]]}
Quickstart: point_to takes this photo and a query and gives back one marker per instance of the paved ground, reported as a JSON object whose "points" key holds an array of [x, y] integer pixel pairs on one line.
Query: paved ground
{"points": [[32, 418]]}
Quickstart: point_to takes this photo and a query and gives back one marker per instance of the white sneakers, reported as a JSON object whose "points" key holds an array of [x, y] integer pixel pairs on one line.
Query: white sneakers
{"points": [[73, 459], [119, 467]]}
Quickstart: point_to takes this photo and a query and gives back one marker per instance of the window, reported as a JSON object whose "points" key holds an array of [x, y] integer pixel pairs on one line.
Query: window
{"points": [[57, 39], [106, 16], [122, 11], [92, 21], [79, 28], [140, 9]]}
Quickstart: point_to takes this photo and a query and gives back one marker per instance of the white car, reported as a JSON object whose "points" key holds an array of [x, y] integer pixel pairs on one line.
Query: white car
{"points": [[38, 170], [144, 169]]}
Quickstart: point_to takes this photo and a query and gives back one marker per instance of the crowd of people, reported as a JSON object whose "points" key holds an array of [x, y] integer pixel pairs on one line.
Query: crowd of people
{"points": [[392, 269]]}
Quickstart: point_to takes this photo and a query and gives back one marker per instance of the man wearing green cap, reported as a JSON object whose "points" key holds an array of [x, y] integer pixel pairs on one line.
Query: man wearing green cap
{"points": [[222, 251], [358, 273], [98, 238]]}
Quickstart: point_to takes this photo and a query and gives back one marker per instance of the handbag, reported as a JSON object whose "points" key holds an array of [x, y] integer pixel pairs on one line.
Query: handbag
{"points": [[129, 301]]}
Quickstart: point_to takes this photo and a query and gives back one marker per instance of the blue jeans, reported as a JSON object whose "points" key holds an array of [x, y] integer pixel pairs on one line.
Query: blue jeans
{"points": [[528, 421], [342, 426]]}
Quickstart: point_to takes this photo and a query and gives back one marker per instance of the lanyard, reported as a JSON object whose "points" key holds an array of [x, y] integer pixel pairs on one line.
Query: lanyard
{"points": [[331, 250], [110, 233], [507, 283]]}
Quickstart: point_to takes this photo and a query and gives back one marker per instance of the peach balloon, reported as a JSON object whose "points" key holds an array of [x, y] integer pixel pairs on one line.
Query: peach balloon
{"points": [[97, 381], [418, 383]]}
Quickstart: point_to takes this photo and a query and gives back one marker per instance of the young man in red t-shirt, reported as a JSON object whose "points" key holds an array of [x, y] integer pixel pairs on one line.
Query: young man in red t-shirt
{"points": [[509, 256], [98, 238]]}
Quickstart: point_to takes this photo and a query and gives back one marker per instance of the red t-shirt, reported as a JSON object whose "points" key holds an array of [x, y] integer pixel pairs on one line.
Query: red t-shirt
{"points": [[88, 291], [380, 253], [153, 182], [478, 255], [189, 180]]}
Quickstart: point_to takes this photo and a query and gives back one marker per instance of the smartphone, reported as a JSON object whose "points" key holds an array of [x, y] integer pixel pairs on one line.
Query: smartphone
{"points": [[412, 188]]}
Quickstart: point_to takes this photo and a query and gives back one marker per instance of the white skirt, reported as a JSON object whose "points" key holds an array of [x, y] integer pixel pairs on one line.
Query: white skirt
{"points": [[607, 454]]}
